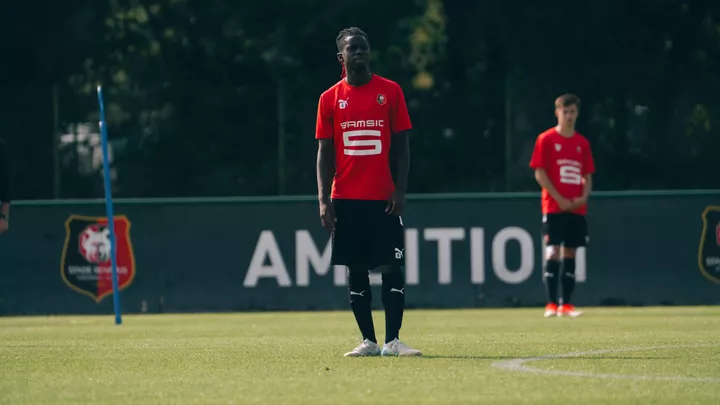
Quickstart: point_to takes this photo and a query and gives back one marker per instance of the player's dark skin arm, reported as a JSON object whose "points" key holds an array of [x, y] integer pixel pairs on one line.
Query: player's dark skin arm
{"points": [[545, 183], [400, 163], [325, 174]]}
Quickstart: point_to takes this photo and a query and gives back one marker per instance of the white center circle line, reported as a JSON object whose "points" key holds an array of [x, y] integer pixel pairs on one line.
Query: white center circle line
{"points": [[518, 365]]}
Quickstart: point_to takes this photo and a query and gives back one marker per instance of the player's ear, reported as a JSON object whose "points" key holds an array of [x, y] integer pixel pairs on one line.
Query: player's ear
{"points": [[339, 57]]}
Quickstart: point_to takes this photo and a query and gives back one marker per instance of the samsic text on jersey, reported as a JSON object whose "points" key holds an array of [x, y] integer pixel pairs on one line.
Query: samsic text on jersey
{"points": [[361, 121]]}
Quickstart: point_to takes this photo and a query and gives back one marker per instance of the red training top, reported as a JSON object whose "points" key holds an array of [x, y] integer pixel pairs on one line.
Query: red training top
{"points": [[566, 161], [361, 121]]}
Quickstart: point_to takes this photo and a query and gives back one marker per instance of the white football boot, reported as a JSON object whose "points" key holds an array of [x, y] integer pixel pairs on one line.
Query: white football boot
{"points": [[398, 348], [364, 349]]}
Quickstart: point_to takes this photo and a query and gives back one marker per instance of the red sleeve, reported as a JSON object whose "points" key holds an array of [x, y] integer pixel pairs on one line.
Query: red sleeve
{"points": [[399, 116], [324, 126], [589, 162], [537, 161]]}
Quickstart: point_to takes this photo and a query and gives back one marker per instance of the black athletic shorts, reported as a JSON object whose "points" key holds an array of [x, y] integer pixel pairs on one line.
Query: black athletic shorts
{"points": [[566, 229], [365, 236]]}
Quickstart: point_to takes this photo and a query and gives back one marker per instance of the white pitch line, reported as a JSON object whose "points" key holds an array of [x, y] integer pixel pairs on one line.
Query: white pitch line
{"points": [[519, 365]]}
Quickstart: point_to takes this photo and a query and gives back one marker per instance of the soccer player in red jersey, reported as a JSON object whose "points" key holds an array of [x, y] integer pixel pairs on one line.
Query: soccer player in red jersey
{"points": [[563, 165], [362, 130]]}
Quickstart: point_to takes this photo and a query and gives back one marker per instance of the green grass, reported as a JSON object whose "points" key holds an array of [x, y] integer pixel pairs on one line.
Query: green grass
{"points": [[296, 358]]}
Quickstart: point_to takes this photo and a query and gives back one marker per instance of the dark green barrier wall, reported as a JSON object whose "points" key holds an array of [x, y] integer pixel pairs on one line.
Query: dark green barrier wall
{"points": [[462, 251]]}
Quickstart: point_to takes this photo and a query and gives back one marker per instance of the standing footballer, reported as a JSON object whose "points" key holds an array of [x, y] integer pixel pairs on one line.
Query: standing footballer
{"points": [[360, 120], [563, 165]]}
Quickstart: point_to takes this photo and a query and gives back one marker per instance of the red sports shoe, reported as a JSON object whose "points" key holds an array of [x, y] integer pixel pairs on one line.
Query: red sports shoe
{"points": [[568, 310], [551, 310]]}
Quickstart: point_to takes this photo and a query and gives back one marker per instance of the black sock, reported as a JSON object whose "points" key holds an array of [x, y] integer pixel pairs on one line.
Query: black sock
{"points": [[568, 279], [552, 269], [360, 302], [393, 298]]}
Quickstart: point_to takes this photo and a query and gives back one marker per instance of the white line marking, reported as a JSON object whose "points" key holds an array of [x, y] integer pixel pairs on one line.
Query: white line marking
{"points": [[519, 365]]}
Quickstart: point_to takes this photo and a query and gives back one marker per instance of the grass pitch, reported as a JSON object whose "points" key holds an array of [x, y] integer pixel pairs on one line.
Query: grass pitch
{"points": [[296, 358]]}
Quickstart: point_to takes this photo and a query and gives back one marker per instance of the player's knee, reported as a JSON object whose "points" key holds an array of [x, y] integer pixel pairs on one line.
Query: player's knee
{"points": [[393, 279], [359, 285], [568, 253], [552, 253]]}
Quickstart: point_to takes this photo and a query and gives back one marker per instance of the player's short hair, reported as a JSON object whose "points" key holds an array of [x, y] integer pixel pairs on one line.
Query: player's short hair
{"points": [[566, 100], [348, 32]]}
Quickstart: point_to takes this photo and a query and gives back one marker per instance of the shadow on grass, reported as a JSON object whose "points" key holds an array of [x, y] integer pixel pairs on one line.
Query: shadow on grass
{"points": [[612, 358], [472, 357]]}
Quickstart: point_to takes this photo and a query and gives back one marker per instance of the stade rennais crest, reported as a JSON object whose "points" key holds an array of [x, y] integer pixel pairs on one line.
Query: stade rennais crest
{"points": [[86, 262], [709, 251]]}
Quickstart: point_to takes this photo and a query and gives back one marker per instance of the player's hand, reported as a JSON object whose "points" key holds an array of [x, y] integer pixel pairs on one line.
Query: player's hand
{"points": [[396, 204], [3, 226], [564, 204], [577, 202], [327, 215]]}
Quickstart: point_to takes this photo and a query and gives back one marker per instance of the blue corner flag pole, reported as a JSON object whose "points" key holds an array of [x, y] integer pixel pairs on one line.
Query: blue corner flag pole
{"points": [[109, 206]]}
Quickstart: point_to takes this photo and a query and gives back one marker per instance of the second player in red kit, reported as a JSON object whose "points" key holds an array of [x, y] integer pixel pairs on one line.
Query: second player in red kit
{"points": [[563, 165], [362, 169]]}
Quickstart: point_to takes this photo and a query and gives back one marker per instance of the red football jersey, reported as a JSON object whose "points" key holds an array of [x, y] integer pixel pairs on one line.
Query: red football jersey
{"points": [[566, 161], [361, 121]]}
